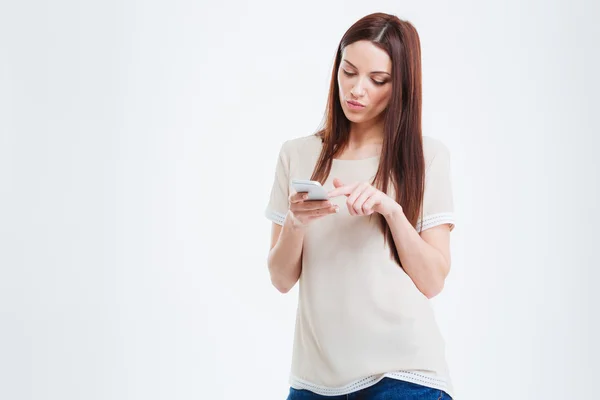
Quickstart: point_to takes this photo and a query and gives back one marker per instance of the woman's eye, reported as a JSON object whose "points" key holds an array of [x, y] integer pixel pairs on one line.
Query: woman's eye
{"points": [[379, 83]]}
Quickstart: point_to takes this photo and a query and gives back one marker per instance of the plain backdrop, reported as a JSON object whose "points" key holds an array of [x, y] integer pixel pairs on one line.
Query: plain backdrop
{"points": [[138, 143]]}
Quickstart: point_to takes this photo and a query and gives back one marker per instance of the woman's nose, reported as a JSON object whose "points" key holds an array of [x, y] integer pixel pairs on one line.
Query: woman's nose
{"points": [[358, 89]]}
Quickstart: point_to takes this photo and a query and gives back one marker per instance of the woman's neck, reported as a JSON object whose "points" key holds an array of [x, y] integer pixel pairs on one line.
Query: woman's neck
{"points": [[365, 141], [365, 134]]}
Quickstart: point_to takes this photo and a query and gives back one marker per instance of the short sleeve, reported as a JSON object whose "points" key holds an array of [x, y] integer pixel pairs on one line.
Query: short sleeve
{"points": [[278, 204], [438, 202]]}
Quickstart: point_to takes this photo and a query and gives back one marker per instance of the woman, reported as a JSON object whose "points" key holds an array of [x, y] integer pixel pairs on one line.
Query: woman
{"points": [[368, 259]]}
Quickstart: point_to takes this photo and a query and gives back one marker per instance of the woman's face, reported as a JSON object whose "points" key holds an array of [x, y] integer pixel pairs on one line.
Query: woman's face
{"points": [[364, 77]]}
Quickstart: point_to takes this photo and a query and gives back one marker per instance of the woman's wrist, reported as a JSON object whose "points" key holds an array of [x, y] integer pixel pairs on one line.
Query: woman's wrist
{"points": [[293, 223], [394, 212]]}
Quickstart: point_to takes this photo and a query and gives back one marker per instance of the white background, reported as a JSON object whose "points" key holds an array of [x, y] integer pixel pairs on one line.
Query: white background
{"points": [[138, 143]]}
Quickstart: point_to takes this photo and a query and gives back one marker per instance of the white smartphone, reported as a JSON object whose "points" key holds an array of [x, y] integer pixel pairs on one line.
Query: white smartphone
{"points": [[313, 188]]}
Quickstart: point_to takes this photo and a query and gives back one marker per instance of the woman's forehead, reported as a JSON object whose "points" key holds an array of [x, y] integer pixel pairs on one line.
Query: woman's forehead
{"points": [[364, 55]]}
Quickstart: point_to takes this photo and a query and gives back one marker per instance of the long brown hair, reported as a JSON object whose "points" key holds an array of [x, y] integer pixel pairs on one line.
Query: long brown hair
{"points": [[402, 161]]}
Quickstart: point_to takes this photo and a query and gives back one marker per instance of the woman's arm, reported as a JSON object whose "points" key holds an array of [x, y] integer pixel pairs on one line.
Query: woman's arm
{"points": [[285, 256], [425, 257]]}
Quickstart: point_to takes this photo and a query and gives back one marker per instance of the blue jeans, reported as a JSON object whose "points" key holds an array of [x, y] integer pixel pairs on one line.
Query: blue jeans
{"points": [[385, 389]]}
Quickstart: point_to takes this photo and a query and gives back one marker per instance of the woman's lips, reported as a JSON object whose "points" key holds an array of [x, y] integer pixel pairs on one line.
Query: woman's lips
{"points": [[354, 105]]}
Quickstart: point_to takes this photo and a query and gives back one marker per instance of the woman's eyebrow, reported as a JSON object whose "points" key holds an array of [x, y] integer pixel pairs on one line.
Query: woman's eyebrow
{"points": [[374, 72]]}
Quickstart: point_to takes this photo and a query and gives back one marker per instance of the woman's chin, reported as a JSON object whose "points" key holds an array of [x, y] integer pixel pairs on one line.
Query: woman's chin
{"points": [[357, 119], [352, 116]]}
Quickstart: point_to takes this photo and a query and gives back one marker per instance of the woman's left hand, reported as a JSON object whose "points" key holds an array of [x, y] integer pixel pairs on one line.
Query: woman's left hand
{"points": [[364, 199]]}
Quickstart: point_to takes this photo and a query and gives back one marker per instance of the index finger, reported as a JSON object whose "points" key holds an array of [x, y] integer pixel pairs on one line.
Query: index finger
{"points": [[342, 190]]}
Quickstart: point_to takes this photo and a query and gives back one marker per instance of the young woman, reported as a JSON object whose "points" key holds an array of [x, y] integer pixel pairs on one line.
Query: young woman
{"points": [[369, 259]]}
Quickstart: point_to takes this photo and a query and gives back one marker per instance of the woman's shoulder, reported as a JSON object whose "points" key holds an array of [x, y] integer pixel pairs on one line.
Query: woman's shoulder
{"points": [[433, 148], [311, 145], [303, 145]]}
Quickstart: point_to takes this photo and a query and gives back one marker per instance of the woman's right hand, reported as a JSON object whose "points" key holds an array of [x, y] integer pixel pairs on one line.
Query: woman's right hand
{"points": [[303, 212]]}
